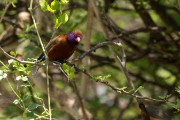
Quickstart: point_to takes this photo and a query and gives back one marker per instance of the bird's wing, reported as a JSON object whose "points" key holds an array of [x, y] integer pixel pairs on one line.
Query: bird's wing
{"points": [[53, 42]]}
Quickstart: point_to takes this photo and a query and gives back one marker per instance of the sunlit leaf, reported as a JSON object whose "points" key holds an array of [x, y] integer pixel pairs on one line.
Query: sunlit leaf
{"points": [[50, 9], [64, 18], [43, 4], [55, 4], [138, 89], [102, 78], [64, 1], [12, 2], [123, 88], [13, 53], [57, 22], [33, 106], [175, 106], [178, 89], [71, 74], [165, 97], [65, 68]]}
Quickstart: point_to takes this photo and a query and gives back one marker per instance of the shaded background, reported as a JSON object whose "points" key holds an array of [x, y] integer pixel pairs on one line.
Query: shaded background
{"points": [[149, 32]]}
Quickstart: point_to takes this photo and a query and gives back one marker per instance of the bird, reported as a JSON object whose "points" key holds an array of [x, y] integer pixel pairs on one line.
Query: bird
{"points": [[61, 47]]}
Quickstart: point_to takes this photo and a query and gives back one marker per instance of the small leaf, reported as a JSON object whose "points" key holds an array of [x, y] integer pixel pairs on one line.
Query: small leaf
{"points": [[33, 106], [65, 68], [55, 4], [123, 88], [131, 91], [30, 115], [57, 23], [165, 97], [13, 53], [43, 4], [26, 97], [139, 88], [64, 18], [71, 74], [172, 105], [65, 1], [107, 76], [102, 78], [178, 89], [50, 9], [12, 2]]}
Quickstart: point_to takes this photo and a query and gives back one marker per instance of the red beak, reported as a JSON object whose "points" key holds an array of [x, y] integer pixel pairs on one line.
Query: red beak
{"points": [[78, 39]]}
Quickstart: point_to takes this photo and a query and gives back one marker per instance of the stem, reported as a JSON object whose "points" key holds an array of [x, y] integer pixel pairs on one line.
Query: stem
{"points": [[21, 101], [4, 65], [47, 69]]}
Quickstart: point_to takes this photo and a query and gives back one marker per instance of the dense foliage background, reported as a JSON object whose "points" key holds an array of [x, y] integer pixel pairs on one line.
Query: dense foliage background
{"points": [[126, 67]]}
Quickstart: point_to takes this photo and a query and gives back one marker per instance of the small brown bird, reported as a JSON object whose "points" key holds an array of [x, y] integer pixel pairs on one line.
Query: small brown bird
{"points": [[61, 47]]}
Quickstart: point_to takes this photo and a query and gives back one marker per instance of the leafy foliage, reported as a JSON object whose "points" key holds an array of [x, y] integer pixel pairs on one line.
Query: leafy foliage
{"points": [[55, 5]]}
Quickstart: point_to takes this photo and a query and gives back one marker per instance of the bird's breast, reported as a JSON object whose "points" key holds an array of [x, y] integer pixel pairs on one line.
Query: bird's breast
{"points": [[61, 52]]}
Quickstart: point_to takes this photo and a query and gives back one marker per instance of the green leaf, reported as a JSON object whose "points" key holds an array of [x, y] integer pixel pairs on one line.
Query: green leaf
{"points": [[123, 88], [57, 22], [131, 91], [165, 97], [102, 78], [29, 28], [171, 104], [27, 97], [65, 1], [43, 4], [12, 2], [139, 88], [71, 74], [13, 53], [55, 4], [65, 68], [178, 89], [19, 67], [175, 106], [50, 9], [64, 18], [33, 106], [30, 115]]}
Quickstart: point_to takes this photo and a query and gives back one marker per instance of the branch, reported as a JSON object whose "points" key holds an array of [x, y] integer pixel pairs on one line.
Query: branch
{"points": [[14, 58], [94, 49], [80, 101], [5, 10], [116, 89]]}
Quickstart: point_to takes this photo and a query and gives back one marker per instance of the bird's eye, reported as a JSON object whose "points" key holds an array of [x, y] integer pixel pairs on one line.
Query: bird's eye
{"points": [[78, 36]]}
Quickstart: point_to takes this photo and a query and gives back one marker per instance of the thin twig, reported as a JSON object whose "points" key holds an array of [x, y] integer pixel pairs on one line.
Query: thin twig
{"points": [[80, 100], [94, 49], [60, 68], [14, 58], [119, 90], [5, 10], [47, 69]]}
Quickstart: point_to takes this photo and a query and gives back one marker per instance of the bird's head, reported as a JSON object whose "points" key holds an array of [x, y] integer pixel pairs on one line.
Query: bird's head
{"points": [[74, 36]]}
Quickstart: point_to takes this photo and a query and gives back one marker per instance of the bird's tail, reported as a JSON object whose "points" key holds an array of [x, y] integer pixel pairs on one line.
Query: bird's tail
{"points": [[41, 58]]}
